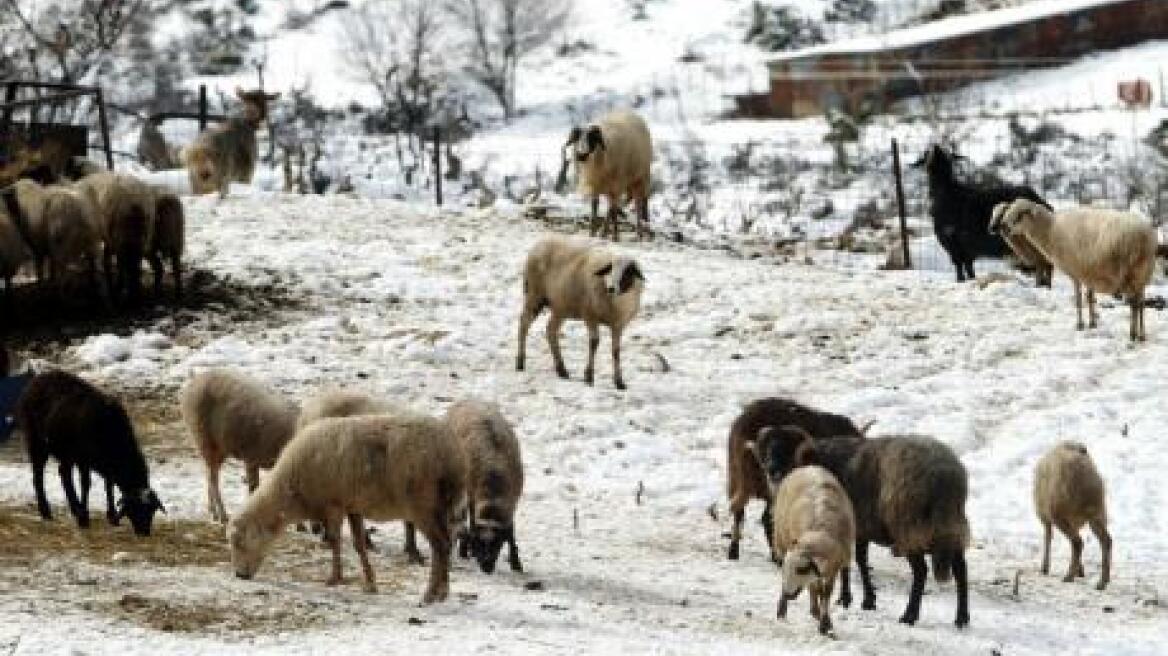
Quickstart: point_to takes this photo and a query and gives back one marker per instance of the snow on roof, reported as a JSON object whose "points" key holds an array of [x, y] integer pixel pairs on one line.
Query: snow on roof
{"points": [[947, 28]]}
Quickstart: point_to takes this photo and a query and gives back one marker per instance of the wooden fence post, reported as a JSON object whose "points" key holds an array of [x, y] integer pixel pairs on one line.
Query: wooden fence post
{"points": [[105, 136], [202, 107], [900, 204]]}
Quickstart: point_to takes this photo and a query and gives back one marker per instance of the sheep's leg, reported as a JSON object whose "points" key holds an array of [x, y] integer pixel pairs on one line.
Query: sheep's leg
{"points": [[465, 531], [824, 596], [614, 213], [332, 534], [411, 548], [111, 510], [86, 481], [813, 592], [920, 571], [781, 611], [594, 222], [617, 378], [869, 602], [530, 311], [1046, 537], [1092, 311], [102, 293], [65, 469], [176, 272], [553, 338], [357, 528], [845, 595], [513, 553], [112, 282], [1078, 305], [969, 270], [437, 534], [961, 578], [768, 527], [1099, 528], [593, 344], [39, 455], [156, 266], [1076, 564], [214, 494], [643, 217], [253, 478], [738, 511]]}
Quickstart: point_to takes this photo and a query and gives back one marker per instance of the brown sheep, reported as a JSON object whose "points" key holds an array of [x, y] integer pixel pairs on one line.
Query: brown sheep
{"points": [[745, 479], [373, 467], [1068, 493], [494, 482]]}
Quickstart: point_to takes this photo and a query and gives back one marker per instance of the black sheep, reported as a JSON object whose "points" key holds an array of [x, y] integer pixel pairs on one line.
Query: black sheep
{"points": [[961, 211], [67, 418]]}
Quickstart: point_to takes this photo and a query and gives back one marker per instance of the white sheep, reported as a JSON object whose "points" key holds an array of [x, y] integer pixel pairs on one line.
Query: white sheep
{"points": [[613, 158], [1069, 492], [1106, 251], [371, 467], [125, 216], [494, 481], [230, 415], [58, 226], [578, 281], [815, 529]]}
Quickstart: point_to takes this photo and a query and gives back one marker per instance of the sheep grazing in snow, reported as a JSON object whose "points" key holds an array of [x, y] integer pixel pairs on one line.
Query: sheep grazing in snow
{"points": [[229, 415], [961, 212], [578, 281], [67, 418], [125, 214], [1068, 492], [1026, 251], [374, 467], [58, 225], [494, 482], [907, 492], [612, 158], [167, 240], [745, 479], [227, 153], [814, 533], [1106, 251], [334, 403]]}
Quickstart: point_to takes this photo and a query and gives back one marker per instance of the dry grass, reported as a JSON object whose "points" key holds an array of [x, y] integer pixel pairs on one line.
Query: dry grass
{"points": [[203, 615]]}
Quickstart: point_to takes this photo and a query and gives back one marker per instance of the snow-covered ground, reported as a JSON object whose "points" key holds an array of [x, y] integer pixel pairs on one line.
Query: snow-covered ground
{"points": [[420, 306]]}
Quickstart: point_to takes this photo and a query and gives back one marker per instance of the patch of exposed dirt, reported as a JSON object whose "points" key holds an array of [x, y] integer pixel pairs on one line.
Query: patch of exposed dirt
{"points": [[204, 615]]}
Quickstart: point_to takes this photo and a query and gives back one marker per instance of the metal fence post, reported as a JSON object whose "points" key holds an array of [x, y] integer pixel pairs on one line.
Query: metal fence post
{"points": [[900, 204], [438, 165]]}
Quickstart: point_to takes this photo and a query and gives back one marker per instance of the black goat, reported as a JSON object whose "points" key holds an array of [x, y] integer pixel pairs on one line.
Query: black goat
{"points": [[67, 418], [961, 212]]}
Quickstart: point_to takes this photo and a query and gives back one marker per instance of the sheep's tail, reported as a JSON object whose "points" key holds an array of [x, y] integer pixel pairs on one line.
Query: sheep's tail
{"points": [[950, 538], [943, 565]]}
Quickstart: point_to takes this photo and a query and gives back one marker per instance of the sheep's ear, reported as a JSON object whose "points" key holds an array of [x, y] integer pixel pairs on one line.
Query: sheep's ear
{"points": [[635, 271], [805, 454], [604, 270], [573, 136], [595, 139], [866, 427]]}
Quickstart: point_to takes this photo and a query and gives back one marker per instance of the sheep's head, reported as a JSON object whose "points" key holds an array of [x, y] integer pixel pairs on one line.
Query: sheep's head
{"points": [[255, 103], [936, 161], [1015, 217], [620, 276], [996, 217], [487, 537], [249, 540], [139, 507], [800, 570], [779, 449]]}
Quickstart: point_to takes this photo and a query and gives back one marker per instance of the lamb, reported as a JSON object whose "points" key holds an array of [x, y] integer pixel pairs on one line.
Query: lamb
{"points": [[58, 225], [231, 415], [125, 216], [908, 493], [494, 481], [67, 418], [1026, 252], [227, 153], [814, 532], [376, 467], [961, 211], [746, 480], [578, 281], [1106, 251], [1068, 492], [613, 157], [167, 240]]}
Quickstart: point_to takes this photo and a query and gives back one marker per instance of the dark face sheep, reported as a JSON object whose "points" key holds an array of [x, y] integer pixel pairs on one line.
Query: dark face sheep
{"points": [[489, 531], [620, 275], [140, 507], [781, 449]]}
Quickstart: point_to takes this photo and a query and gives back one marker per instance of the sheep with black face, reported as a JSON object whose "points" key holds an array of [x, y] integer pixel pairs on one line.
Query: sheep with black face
{"points": [[579, 281]]}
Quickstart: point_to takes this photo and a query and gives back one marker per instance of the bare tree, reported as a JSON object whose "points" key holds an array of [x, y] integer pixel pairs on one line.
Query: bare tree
{"points": [[394, 46], [66, 40], [500, 33]]}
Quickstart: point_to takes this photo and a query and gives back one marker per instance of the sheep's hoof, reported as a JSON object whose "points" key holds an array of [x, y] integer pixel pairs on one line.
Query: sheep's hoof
{"points": [[369, 587], [562, 371], [962, 620], [824, 625], [1069, 578], [1101, 585], [113, 518], [433, 596], [908, 619], [620, 384], [333, 581], [415, 557], [519, 364], [844, 600], [588, 378], [83, 521], [733, 553], [869, 603]]}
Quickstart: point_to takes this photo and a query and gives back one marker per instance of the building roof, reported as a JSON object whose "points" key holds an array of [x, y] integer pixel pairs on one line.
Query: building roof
{"points": [[945, 28]]}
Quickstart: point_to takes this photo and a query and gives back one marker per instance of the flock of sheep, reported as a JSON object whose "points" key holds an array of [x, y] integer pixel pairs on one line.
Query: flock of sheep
{"points": [[830, 490]]}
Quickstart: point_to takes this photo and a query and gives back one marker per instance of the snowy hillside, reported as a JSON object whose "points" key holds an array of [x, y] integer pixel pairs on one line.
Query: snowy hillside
{"points": [[420, 307]]}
